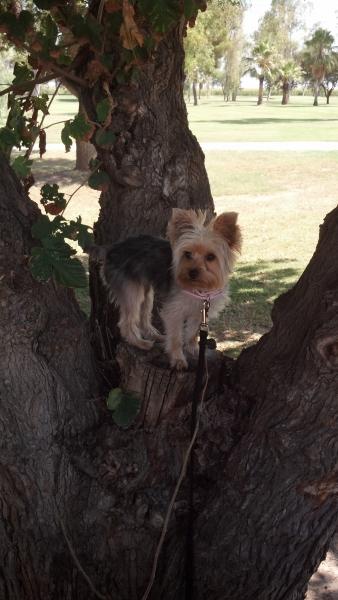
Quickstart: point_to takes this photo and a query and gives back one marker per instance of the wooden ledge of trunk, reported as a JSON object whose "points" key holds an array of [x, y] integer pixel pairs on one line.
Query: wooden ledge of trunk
{"points": [[164, 392]]}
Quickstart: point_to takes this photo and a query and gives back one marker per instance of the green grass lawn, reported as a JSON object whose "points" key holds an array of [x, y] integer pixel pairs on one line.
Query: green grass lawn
{"points": [[244, 121], [241, 121]]}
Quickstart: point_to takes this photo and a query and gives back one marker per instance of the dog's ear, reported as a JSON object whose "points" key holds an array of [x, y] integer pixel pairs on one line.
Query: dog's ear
{"points": [[226, 226], [182, 221]]}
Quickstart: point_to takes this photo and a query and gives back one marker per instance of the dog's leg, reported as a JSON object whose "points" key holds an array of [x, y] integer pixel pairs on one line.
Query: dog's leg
{"points": [[130, 300], [147, 328], [173, 319]]}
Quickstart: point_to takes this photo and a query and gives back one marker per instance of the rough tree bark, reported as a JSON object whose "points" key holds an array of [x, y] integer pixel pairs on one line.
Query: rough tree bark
{"points": [[266, 481], [286, 93]]}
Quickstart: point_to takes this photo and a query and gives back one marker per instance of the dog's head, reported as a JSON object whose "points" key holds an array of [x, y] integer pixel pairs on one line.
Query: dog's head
{"points": [[203, 253]]}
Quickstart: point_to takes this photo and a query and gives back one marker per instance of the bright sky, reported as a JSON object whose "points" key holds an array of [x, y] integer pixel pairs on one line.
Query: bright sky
{"points": [[322, 12]]}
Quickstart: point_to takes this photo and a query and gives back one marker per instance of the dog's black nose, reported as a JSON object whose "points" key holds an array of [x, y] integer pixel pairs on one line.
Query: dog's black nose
{"points": [[193, 273]]}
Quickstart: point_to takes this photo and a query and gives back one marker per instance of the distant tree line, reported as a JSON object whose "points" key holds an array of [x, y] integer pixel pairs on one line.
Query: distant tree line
{"points": [[216, 51]]}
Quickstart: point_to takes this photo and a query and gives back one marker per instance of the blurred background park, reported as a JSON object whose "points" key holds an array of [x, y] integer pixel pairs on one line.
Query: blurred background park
{"points": [[260, 88]]}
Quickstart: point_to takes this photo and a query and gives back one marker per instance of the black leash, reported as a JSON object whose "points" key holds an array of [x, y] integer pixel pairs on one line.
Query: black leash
{"points": [[196, 397]]}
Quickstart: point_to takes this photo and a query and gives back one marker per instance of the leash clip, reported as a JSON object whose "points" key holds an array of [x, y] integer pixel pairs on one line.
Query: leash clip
{"points": [[205, 310]]}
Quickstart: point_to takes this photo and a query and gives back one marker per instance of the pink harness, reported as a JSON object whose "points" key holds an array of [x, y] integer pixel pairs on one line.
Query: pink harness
{"points": [[204, 295]]}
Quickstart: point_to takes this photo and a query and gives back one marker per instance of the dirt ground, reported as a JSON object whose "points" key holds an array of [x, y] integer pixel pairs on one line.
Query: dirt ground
{"points": [[324, 583]]}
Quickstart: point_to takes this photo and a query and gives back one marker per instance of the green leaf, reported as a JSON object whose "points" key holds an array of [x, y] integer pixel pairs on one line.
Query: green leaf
{"points": [[114, 398], [22, 73], [41, 103], [42, 227], [124, 405], [40, 264], [65, 136], [50, 193], [79, 129], [99, 180], [8, 139], [70, 272], [22, 166], [189, 8], [85, 237], [105, 138], [103, 110], [161, 14]]}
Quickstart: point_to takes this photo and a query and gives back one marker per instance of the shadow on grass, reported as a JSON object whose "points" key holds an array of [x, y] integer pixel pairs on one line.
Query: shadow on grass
{"points": [[265, 121], [253, 288]]}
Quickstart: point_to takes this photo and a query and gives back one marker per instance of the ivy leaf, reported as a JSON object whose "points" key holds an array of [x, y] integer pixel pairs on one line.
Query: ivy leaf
{"points": [[79, 129], [189, 8], [99, 181], [8, 139], [66, 137], [105, 138], [103, 109], [40, 264], [22, 166], [124, 405], [70, 272], [42, 227], [85, 237], [22, 73], [161, 14]]}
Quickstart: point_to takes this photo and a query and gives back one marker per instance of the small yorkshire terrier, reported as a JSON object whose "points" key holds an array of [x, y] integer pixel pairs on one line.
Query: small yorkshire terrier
{"points": [[194, 264]]}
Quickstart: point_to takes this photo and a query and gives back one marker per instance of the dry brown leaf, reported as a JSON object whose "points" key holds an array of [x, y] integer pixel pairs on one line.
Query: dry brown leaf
{"points": [[130, 34]]}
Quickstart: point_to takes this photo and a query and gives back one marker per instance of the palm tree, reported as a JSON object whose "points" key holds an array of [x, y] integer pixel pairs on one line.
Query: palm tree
{"points": [[261, 65], [287, 75], [318, 58]]}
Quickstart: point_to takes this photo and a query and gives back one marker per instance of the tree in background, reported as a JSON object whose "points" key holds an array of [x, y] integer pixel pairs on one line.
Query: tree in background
{"points": [[287, 76], [261, 64], [319, 59], [199, 57], [217, 37], [330, 80], [278, 26]]}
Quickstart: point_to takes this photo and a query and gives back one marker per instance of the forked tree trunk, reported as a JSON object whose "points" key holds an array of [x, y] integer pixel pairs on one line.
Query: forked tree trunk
{"points": [[77, 489], [85, 151]]}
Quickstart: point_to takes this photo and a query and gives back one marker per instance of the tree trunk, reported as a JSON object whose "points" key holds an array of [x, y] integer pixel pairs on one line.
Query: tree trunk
{"points": [[260, 91], [286, 93], [234, 95], [194, 92], [316, 93], [77, 489]]}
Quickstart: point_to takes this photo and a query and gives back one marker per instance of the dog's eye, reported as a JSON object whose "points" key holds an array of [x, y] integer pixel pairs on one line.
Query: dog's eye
{"points": [[210, 257], [187, 255]]}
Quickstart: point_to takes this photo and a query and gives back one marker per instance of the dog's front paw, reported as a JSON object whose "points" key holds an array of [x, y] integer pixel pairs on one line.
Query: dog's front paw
{"points": [[180, 364]]}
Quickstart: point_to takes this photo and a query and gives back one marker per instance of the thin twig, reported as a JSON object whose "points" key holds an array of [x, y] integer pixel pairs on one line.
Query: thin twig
{"points": [[56, 123], [176, 490], [27, 85], [100, 11], [78, 564], [29, 151], [79, 187]]}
